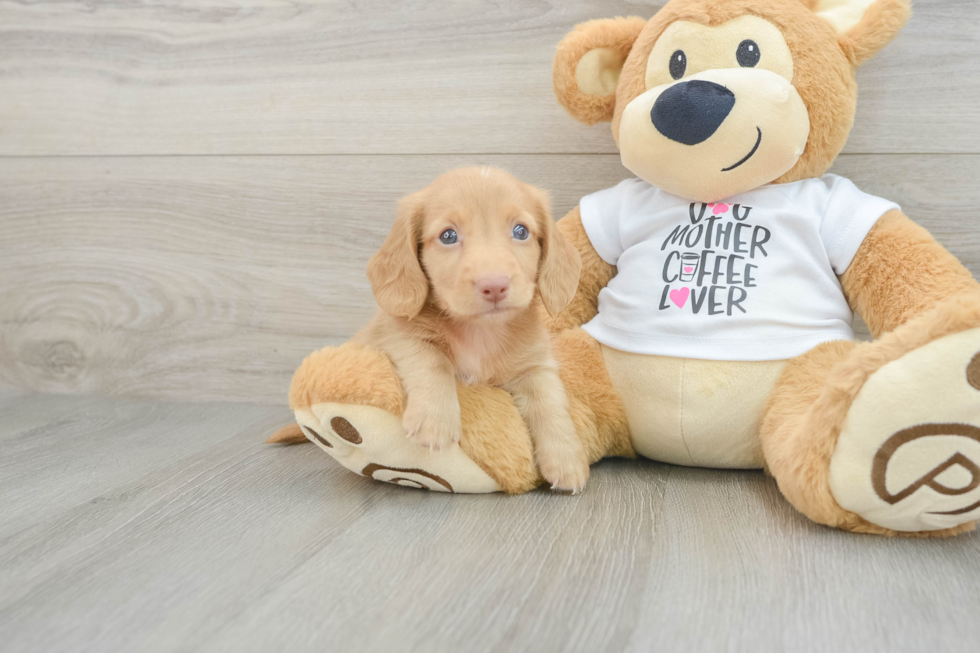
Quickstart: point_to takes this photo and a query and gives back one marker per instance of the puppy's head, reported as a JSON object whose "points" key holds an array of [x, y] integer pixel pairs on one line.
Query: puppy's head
{"points": [[476, 244]]}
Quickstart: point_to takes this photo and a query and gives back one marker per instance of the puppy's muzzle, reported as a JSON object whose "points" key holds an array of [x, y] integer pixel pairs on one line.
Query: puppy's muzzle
{"points": [[493, 289], [691, 112]]}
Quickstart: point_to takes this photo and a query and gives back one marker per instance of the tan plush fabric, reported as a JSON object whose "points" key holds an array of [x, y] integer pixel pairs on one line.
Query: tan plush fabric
{"points": [[289, 434], [901, 271], [875, 29], [494, 437], [596, 407], [353, 373], [371, 442], [824, 63], [694, 412], [798, 445], [811, 403], [895, 465], [614, 36], [823, 75], [841, 14], [768, 121]]}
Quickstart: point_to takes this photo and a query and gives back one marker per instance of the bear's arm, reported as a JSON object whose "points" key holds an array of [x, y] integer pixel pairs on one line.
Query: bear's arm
{"points": [[901, 271], [596, 273]]}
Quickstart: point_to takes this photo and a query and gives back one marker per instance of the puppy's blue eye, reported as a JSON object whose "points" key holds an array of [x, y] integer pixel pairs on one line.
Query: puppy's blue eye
{"points": [[448, 237], [521, 232]]}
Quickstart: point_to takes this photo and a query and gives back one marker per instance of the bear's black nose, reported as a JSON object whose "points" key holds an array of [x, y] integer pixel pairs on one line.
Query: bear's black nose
{"points": [[690, 112]]}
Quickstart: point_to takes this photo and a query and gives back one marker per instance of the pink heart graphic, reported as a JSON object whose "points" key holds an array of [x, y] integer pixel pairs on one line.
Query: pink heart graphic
{"points": [[719, 208], [680, 296], [689, 269]]}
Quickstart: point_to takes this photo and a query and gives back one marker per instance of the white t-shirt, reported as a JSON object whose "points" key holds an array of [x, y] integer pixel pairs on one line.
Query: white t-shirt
{"points": [[751, 278]]}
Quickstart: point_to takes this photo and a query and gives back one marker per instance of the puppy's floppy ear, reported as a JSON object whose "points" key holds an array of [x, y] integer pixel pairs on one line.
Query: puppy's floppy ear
{"points": [[588, 63], [560, 264], [399, 284], [863, 26]]}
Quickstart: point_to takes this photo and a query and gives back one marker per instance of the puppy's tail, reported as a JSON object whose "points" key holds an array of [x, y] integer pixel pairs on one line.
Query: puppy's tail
{"points": [[290, 434]]}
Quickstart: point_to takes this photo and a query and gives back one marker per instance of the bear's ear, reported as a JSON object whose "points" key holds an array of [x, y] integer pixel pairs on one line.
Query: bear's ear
{"points": [[863, 26], [588, 63]]}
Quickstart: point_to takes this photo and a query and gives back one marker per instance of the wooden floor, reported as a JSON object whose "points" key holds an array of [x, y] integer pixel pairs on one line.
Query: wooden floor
{"points": [[140, 526]]}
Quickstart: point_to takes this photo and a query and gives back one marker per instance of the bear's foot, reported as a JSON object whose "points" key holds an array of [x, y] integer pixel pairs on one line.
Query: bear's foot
{"points": [[348, 401], [371, 442], [908, 454]]}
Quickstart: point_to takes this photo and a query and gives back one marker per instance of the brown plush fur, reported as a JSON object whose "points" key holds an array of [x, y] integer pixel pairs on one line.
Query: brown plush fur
{"points": [[289, 434], [352, 374], [496, 438], [901, 271], [597, 410], [810, 403], [824, 64], [794, 454], [823, 76], [879, 25], [595, 274], [615, 34], [494, 434]]}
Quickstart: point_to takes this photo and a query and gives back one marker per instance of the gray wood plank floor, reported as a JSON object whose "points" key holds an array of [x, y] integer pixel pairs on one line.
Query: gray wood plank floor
{"points": [[137, 526]]}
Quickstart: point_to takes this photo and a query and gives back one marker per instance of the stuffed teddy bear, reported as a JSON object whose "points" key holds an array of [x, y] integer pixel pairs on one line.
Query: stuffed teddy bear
{"points": [[712, 322]]}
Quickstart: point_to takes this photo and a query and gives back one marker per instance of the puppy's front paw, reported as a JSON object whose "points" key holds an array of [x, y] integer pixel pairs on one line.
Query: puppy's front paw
{"points": [[430, 427], [566, 472]]}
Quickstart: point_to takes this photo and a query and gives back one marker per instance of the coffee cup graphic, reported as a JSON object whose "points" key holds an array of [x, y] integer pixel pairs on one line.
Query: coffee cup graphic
{"points": [[689, 266]]}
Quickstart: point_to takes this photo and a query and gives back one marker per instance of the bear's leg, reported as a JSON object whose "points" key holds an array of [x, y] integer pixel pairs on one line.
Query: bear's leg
{"points": [[596, 408], [348, 400], [884, 437]]}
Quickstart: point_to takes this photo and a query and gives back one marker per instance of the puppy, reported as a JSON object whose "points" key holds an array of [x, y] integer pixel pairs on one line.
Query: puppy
{"points": [[461, 282]]}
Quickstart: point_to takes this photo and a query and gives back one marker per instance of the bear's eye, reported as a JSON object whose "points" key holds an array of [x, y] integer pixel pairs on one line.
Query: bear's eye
{"points": [[521, 232], [678, 64], [448, 237], [748, 54]]}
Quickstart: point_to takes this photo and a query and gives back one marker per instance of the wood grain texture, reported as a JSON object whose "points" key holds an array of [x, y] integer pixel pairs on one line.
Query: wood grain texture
{"points": [[229, 545], [212, 277], [52, 446], [367, 76]]}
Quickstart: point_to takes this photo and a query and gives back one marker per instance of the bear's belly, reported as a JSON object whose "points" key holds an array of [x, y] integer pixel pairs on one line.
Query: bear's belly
{"points": [[694, 412]]}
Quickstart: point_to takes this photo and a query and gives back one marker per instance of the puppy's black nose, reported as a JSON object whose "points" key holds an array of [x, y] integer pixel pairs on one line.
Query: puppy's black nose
{"points": [[690, 112]]}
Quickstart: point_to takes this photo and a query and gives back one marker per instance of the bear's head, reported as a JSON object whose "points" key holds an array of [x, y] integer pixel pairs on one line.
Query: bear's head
{"points": [[711, 98]]}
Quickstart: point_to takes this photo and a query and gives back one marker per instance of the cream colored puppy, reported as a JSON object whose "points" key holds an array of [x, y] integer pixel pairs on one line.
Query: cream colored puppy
{"points": [[461, 281]]}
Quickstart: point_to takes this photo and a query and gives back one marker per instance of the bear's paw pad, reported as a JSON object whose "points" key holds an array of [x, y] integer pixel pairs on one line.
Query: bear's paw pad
{"points": [[908, 456], [371, 442]]}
